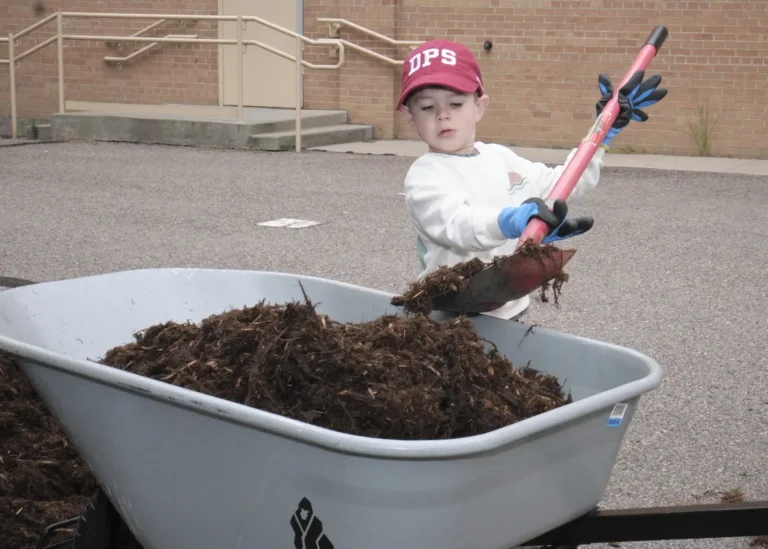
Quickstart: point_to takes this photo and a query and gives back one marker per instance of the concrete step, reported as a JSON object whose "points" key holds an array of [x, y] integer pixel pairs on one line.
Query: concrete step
{"points": [[27, 128], [309, 119], [312, 137], [266, 129], [258, 119], [43, 132]]}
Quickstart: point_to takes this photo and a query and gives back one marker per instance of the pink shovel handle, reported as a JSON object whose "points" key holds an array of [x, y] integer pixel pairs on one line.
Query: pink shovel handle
{"points": [[537, 229]]}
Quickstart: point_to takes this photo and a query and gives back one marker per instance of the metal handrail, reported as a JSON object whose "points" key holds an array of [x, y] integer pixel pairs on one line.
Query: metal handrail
{"points": [[35, 26], [60, 36], [366, 51], [40, 46], [26, 31], [149, 27], [179, 39], [119, 46], [146, 48], [336, 24]]}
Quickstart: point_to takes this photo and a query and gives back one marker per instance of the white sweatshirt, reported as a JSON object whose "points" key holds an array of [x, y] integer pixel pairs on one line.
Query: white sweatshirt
{"points": [[454, 202]]}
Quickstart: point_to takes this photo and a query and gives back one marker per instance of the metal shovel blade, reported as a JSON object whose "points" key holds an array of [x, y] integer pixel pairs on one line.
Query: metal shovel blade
{"points": [[506, 279]]}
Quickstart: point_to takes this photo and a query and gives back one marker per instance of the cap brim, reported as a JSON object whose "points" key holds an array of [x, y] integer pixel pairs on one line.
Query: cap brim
{"points": [[453, 81]]}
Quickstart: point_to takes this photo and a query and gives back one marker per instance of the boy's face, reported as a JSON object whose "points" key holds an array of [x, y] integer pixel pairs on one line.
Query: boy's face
{"points": [[446, 119]]}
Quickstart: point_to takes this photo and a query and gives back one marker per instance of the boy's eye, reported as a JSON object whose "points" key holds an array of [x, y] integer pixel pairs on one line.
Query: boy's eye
{"points": [[455, 105]]}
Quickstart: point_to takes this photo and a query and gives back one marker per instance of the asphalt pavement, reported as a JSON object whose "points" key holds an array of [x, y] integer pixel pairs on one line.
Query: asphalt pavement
{"points": [[675, 268]]}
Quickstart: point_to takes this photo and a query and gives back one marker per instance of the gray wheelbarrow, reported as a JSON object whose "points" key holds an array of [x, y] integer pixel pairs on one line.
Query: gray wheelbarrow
{"points": [[190, 471]]}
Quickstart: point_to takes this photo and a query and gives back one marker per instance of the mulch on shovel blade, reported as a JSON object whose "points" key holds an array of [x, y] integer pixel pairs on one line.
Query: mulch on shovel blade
{"points": [[406, 378], [419, 296], [42, 478]]}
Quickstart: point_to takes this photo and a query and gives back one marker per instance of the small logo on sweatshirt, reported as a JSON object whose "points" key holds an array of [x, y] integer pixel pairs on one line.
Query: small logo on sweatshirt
{"points": [[516, 181]]}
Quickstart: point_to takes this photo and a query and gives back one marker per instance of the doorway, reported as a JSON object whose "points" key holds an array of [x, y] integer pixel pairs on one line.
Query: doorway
{"points": [[268, 79]]}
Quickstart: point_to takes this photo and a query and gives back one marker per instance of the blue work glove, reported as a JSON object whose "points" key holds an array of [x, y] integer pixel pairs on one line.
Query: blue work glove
{"points": [[513, 221], [636, 94]]}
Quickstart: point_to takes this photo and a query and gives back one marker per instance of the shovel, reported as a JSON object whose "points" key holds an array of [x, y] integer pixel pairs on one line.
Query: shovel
{"points": [[520, 273]]}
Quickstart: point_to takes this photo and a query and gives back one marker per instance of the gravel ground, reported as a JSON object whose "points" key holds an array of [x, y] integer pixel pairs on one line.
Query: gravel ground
{"points": [[674, 268]]}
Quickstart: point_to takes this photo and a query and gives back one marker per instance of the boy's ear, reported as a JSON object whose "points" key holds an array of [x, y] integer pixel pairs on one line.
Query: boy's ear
{"points": [[407, 113], [482, 104]]}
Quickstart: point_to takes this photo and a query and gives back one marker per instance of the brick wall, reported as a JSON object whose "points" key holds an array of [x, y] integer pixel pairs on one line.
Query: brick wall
{"points": [[364, 87], [179, 73], [541, 73]]}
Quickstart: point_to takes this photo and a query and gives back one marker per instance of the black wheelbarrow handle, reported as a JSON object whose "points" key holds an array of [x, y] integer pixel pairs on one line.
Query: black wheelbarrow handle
{"points": [[706, 521]]}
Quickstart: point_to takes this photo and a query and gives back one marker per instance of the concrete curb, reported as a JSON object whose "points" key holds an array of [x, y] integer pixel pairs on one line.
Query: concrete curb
{"points": [[410, 148], [413, 149], [20, 142]]}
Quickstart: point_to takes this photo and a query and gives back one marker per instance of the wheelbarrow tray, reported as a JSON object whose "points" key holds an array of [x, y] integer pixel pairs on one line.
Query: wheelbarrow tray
{"points": [[190, 471]]}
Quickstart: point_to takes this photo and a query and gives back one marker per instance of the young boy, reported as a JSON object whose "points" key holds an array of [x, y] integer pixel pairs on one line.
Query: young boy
{"points": [[470, 199]]}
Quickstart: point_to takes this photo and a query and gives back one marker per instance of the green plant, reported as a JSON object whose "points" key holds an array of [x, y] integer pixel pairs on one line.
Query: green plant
{"points": [[701, 131], [623, 150]]}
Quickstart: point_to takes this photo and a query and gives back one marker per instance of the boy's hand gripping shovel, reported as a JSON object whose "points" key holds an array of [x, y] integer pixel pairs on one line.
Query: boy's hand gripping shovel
{"points": [[519, 274]]}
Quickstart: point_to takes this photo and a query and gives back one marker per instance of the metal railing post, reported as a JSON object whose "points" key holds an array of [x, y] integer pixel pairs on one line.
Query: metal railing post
{"points": [[239, 68], [298, 94], [60, 52], [12, 67]]}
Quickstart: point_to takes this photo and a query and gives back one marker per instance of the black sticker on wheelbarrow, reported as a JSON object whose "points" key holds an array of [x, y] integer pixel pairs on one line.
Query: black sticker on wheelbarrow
{"points": [[308, 529]]}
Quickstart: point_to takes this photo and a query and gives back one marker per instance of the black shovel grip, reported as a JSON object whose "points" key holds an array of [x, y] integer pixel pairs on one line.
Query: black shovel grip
{"points": [[657, 37]]}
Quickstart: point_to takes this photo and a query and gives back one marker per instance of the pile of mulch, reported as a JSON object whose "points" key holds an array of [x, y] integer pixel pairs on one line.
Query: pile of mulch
{"points": [[419, 296], [406, 378], [42, 478]]}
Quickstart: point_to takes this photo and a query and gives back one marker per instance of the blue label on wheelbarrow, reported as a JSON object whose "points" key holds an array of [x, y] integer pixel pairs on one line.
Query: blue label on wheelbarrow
{"points": [[617, 415]]}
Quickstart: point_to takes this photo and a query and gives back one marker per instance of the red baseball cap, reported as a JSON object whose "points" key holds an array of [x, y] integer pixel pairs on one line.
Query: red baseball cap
{"points": [[440, 63]]}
